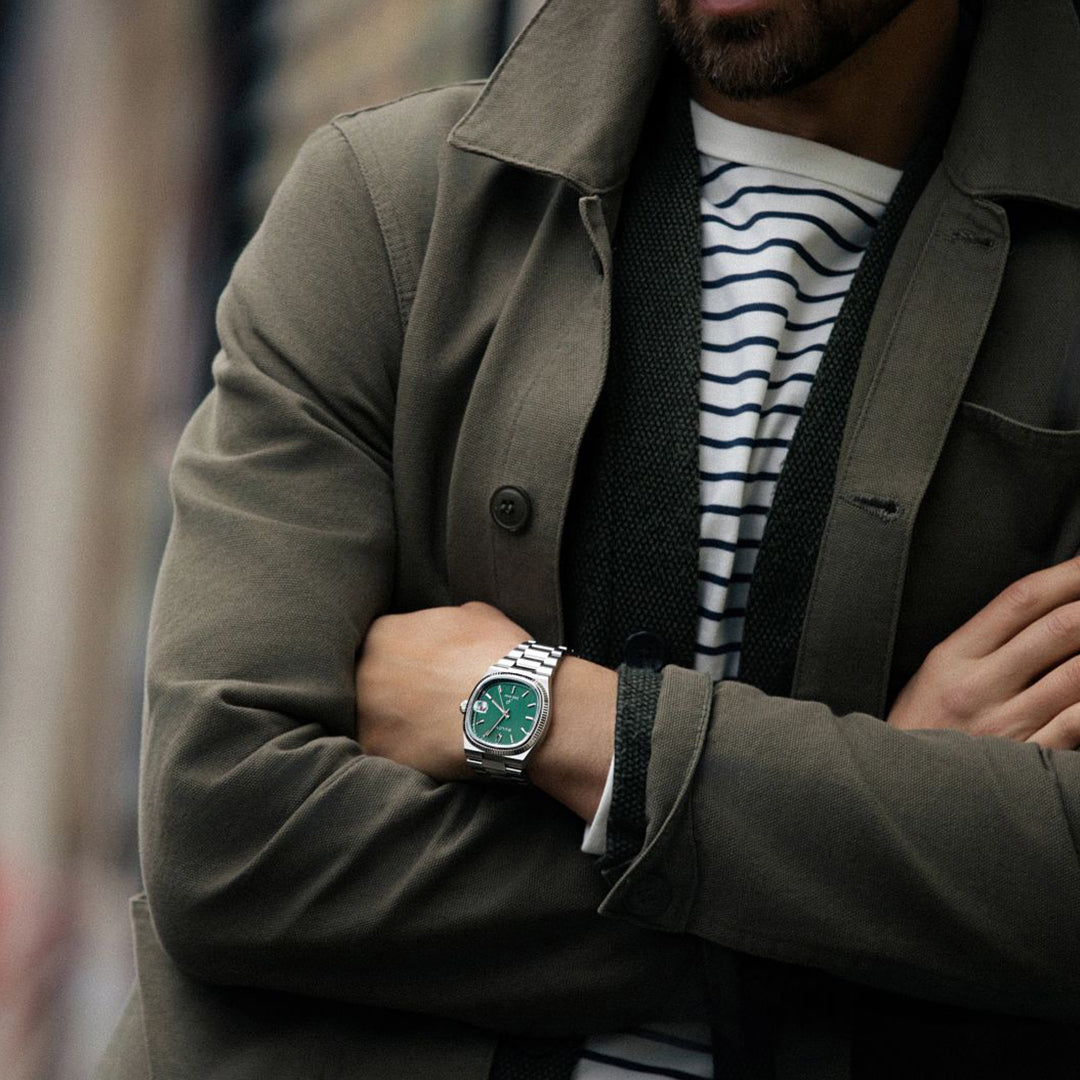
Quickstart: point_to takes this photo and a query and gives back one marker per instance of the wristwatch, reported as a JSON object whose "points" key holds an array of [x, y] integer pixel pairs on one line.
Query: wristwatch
{"points": [[508, 711]]}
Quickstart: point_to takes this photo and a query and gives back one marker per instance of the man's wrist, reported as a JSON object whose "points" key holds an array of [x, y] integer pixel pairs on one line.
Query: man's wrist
{"points": [[571, 764]]}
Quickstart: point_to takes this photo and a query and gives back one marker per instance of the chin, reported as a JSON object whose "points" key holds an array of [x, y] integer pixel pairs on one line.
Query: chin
{"points": [[769, 49]]}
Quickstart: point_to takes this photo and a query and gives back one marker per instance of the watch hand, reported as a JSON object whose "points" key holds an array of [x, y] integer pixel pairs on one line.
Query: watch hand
{"points": [[505, 712], [495, 725]]}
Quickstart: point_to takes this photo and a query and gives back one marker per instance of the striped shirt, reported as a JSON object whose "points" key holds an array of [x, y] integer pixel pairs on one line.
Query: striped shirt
{"points": [[783, 232], [784, 224]]}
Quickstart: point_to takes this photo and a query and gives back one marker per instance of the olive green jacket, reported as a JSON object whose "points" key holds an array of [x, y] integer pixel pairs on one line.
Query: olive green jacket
{"points": [[423, 320]]}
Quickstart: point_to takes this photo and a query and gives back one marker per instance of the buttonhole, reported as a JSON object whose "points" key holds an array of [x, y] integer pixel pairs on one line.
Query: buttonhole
{"points": [[883, 509], [968, 237]]}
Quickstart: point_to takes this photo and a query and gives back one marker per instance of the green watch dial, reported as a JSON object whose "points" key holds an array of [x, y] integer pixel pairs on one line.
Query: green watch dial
{"points": [[504, 714]]}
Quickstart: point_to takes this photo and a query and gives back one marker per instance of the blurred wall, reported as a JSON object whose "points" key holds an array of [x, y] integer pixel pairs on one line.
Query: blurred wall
{"points": [[112, 102], [139, 144], [331, 56]]}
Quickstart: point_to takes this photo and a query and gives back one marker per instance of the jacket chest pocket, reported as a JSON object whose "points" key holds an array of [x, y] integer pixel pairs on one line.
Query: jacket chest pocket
{"points": [[1004, 501]]}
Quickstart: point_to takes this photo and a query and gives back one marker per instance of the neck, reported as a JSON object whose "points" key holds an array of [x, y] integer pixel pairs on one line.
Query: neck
{"points": [[875, 104]]}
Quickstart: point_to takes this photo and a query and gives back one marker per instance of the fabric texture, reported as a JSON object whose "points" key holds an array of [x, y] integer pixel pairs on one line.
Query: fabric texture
{"points": [[630, 556], [780, 241], [780, 246], [630, 549], [520, 1058], [803, 495], [639, 691], [809, 470], [789, 550]]}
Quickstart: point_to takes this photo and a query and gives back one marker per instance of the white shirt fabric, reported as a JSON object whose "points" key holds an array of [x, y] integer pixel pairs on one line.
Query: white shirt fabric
{"points": [[785, 222]]}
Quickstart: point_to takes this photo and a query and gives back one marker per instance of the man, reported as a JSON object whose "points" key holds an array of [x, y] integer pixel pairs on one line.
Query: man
{"points": [[466, 397]]}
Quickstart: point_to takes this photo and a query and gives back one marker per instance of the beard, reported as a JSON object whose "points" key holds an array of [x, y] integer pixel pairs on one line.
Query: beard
{"points": [[756, 56]]}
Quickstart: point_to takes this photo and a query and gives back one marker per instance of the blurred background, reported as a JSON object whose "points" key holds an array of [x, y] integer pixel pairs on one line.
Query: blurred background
{"points": [[140, 141]]}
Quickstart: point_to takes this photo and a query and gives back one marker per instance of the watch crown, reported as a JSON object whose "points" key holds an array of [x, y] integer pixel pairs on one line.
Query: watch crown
{"points": [[464, 705]]}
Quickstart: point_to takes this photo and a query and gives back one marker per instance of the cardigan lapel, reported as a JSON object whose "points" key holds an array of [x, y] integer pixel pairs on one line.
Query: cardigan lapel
{"points": [[632, 532]]}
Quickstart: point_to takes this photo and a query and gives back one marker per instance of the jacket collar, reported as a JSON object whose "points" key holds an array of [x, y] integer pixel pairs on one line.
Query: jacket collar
{"points": [[569, 98], [1017, 131]]}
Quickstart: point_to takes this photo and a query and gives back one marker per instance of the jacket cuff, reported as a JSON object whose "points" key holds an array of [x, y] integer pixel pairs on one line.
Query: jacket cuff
{"points": [[635, 712], [652, 844]]}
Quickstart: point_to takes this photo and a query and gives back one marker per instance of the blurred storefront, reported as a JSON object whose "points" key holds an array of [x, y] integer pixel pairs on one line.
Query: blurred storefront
{"points": [[139, 144]]}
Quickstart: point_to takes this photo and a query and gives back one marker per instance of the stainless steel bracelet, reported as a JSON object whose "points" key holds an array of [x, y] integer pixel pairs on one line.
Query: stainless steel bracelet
{"points": [[500, 768], [531, 659]]}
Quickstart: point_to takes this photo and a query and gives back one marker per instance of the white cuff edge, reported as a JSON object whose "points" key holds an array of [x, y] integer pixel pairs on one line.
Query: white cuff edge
{"points": [[595, 840]]}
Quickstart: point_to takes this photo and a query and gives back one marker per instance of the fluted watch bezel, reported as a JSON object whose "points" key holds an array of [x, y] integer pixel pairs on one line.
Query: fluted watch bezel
{"points": [[539, 728]]}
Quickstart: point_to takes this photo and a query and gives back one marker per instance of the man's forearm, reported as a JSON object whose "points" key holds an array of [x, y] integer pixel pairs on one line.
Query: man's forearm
{"points": [[931, 864]]}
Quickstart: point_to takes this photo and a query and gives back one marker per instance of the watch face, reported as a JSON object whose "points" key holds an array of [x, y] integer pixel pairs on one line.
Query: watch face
{"points": [[504, 713]]}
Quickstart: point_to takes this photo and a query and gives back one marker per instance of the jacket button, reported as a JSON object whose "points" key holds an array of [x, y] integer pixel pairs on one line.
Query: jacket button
{"points": [[511, 509], [649, 898], [644, 649]]}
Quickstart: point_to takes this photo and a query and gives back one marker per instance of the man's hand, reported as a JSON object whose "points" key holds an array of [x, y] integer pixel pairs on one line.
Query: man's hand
{"points": [[1012, 670], [415, 670]]}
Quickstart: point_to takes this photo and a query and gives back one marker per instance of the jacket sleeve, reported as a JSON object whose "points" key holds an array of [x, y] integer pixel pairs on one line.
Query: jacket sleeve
{"points": [[932, 864], [275, 854]]}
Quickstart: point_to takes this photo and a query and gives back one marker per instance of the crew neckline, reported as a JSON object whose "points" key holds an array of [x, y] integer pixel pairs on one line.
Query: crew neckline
{"points": [[726, 140]]}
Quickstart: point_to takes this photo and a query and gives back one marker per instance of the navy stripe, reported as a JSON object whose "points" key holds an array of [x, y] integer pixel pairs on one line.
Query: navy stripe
{"points": [[775, 309], [734, 313], [730, 380], [673, 1040], [806, 376], [810, 325], [720, 616], [824, 226], [724, 444], [750, 478], [718, 650], [753, 407], [735, 346], [774, 384], [638, 1067], [800, 352], [778, 189], [774, 324], [774, 275], [778, 242], [727, 545], [719, 171], [738, 346], [733, 511]]}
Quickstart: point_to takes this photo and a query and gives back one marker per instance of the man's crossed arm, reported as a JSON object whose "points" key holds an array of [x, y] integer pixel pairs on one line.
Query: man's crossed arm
{"points": [[1012, 671]]}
